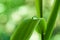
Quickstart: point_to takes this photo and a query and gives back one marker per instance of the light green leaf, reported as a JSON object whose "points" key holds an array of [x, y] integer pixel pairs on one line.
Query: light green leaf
{"points": [[24, 30]]}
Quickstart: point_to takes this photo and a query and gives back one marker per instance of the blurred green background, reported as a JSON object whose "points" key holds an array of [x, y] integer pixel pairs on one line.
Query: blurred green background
{"points": [[13, 11]]}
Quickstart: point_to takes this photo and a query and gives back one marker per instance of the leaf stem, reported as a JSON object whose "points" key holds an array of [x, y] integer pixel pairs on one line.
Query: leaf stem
{"points": [[41, 8], [41, 16]]}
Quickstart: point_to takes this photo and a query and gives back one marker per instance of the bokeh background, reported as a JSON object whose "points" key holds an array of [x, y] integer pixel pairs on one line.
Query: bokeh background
{"points": [[12, 11]]}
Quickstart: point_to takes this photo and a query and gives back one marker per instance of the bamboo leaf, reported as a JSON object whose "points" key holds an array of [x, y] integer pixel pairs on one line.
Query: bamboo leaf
{"points": [[42, 27], [24, 30], [51, 21]]}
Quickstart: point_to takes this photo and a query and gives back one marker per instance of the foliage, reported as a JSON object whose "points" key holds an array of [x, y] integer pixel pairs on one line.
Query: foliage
{"points": [[26, 27]]}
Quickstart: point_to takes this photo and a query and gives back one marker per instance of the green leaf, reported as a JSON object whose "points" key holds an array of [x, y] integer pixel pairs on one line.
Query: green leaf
{"points": [[24, 30], [42, 25], [51, 21], [41, 28]]}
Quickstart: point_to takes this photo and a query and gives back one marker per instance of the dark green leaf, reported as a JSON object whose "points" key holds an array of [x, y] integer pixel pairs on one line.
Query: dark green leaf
{"points": [[41, 26], [51, 21]]}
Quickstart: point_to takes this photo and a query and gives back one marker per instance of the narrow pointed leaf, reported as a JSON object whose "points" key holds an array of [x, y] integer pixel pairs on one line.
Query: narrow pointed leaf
{"points": [[24, 30], [42, 27], [51, 21]]}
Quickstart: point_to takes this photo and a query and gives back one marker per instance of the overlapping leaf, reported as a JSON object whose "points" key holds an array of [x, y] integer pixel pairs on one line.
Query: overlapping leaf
{"points": [[24, 30]]}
